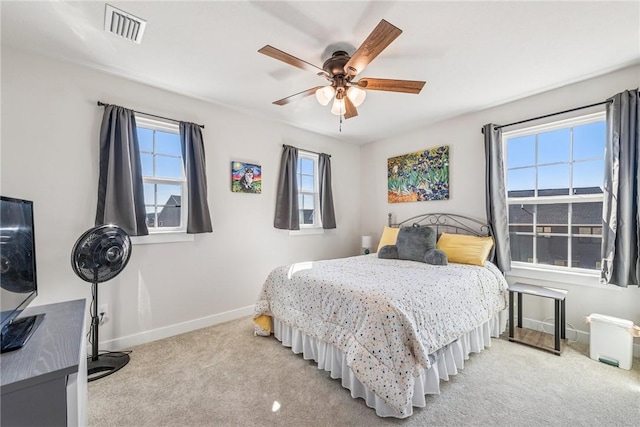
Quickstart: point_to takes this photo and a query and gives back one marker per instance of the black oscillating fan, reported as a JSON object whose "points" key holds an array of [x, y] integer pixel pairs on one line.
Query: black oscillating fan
{"points": [[99, 255]]}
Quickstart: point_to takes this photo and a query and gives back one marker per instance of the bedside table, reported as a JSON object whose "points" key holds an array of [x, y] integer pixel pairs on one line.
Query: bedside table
{"points": [[559, 297]]}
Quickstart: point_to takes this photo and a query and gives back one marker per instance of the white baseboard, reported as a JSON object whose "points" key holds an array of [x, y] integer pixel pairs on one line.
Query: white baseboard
{"points": [[572, 334], [203, 322], [171, 330]]}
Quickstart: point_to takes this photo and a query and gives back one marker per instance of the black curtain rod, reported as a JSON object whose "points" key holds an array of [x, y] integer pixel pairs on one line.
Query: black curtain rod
{"points": [[102, 104], [306, 151], [552, 114]]}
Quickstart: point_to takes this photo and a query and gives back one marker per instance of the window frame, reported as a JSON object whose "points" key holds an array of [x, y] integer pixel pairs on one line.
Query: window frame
{"points": [[537, 270], [316, 227], [164, 234]]}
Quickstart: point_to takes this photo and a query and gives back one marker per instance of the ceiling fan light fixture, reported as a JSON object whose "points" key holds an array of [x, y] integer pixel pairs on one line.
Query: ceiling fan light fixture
{"points": [[356, 95], [342, 68], [338, 107], [325, 94]]}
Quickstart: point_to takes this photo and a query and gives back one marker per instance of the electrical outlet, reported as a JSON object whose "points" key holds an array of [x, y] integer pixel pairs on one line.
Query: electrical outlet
{"points": [[103, 313]]}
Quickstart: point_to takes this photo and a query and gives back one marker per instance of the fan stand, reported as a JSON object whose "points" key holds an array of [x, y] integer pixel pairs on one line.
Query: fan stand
{"points": [[101, 365]]}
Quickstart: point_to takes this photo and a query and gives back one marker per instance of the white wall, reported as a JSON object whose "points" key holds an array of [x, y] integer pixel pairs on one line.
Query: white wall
{"points": [[50, 133], [467, 195], [49, 154]]}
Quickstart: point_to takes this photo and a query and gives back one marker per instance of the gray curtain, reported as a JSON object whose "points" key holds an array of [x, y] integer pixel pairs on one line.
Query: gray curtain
{"points": [[287, 215], [620, 240], [496, 196], [326, 194], [120, 190], [199, 218]]}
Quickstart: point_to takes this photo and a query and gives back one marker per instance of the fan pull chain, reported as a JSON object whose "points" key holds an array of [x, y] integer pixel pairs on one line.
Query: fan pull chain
{"points": [[340, 122]]}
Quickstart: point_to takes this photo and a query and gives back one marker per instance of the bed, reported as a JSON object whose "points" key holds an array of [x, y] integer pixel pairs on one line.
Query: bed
{"points": [[390, 329]]}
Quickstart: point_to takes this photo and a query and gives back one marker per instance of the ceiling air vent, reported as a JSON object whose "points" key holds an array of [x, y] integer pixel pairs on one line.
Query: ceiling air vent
{"points": [[123, 24]]}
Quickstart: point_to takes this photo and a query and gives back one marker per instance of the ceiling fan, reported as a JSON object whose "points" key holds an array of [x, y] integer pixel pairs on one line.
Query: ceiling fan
{"points": [[341, 69]]}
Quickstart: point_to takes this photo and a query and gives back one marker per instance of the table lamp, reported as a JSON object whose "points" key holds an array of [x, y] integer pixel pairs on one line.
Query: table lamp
{"points": [[366, 244]]}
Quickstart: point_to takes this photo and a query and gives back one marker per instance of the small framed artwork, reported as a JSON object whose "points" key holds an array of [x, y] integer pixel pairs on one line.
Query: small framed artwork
{"points": [[246, 178], [419, 176]]}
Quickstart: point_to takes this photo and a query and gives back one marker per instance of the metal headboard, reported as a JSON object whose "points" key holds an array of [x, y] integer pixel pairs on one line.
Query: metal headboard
{"points": [[448, 223]]}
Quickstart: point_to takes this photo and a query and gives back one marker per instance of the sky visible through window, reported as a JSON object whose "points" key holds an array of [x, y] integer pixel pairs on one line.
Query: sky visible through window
{"points": [[552, 154]]}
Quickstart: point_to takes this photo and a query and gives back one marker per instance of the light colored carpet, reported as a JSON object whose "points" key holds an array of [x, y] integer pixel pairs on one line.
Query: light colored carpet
{"points": [[225, 376]]}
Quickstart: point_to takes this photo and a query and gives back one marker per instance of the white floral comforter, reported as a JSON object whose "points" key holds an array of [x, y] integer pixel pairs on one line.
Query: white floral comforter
{"points": [[385, 315]]}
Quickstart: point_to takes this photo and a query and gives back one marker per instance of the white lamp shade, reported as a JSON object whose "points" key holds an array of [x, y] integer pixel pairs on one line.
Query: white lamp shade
{"points": [[356, 95], [366, 242], [325, 94], [338, 107]]}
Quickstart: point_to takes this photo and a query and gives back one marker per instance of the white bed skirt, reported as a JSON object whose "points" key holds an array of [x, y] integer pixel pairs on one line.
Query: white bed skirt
{"points": [[445, 362]]}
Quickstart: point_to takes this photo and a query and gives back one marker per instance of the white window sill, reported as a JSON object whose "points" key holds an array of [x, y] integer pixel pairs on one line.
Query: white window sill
{"points": [[306, 231], [165, 237], [580, 278]]}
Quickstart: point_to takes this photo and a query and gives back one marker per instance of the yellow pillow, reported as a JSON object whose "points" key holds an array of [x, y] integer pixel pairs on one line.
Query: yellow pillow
{"points": [[389, 237], [465, 249]]}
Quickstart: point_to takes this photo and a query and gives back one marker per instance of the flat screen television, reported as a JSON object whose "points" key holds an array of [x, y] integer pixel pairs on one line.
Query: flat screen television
{"points": [[18, 279]]}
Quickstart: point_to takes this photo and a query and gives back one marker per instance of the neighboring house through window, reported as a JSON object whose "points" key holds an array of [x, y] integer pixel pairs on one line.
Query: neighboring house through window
{"points": [[163, 175], [308, 190], [555, 174]]}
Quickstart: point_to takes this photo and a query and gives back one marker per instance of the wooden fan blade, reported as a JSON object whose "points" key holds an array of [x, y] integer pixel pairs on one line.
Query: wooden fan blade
{"points": [[289, 59], [350, 109], [391, 85], [378, 40], [297, 96]]}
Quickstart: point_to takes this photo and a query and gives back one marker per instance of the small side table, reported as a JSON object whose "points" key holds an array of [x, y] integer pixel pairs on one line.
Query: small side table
{"points": [[559, 297]]}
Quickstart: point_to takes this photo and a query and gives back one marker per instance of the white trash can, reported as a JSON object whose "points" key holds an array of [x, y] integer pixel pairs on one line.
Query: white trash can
{"points": [[611, 341]]}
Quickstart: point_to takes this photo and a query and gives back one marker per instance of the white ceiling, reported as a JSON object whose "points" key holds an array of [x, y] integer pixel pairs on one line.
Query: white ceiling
{"points": [[473, 55]]}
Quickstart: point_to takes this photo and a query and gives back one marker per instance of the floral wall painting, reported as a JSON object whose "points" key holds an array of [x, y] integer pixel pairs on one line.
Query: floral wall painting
{"points": [[419, 176], [246, 178]]}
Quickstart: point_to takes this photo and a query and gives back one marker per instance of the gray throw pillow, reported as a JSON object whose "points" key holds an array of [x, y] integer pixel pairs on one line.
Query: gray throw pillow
{"points": [[388, 252], [435, 257], [414, 242]]}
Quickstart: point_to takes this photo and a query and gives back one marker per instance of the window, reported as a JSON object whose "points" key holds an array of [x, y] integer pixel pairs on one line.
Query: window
{"points": [[163, 175], [308, 190], [554, 181]]}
